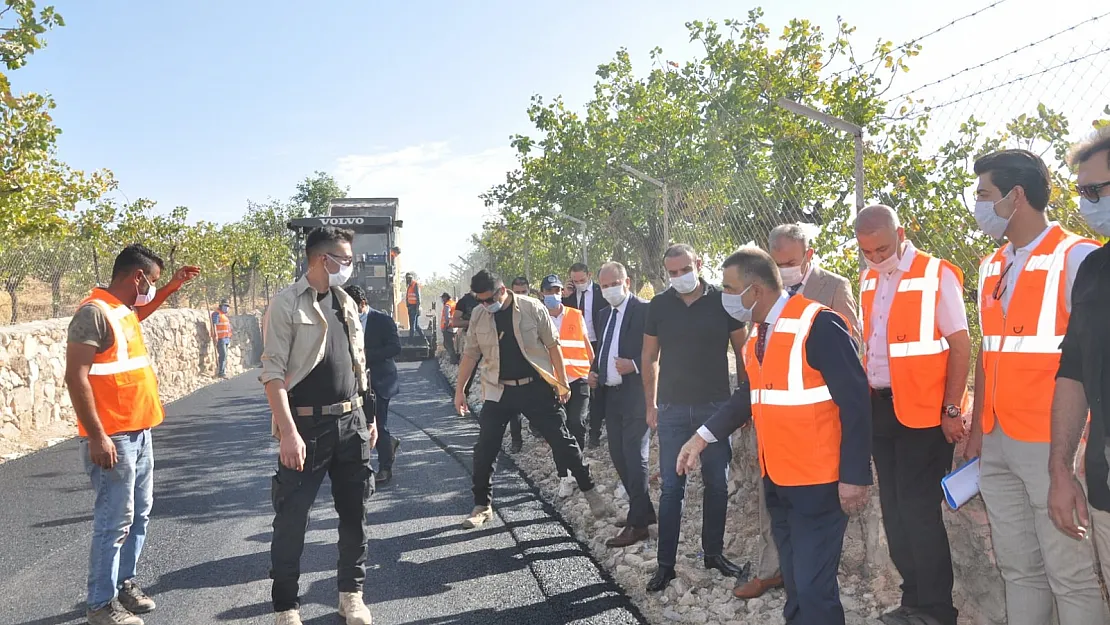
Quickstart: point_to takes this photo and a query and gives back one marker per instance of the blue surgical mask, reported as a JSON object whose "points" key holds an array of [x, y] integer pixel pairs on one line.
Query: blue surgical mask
{"points": [[552, 301], [493, 308], [1096, 214]]}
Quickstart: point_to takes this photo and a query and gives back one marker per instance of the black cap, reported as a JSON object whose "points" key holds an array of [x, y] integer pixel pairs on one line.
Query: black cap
{"points": [[550, 282]]}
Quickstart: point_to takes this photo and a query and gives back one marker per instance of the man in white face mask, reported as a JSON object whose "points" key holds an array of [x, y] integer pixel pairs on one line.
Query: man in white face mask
{"points": [[806, 392], [801, 273], [1025, 304], [1081, 381], [585, 295]]}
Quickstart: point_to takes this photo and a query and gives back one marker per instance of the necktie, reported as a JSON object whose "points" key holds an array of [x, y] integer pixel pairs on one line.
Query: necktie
{"points": [[603, 359], [761, 342], [582, 301], [794, 289]]}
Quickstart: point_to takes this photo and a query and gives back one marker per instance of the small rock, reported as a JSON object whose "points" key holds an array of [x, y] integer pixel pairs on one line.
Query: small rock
{"points": [[697, 616], [670, 614], [688, 599]]}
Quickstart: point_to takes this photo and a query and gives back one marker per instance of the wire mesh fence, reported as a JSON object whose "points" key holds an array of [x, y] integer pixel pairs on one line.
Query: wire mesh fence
{"points": [[917, 157]]}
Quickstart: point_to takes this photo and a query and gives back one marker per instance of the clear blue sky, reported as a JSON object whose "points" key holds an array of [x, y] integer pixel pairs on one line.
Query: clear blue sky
{"points": [[208, 103]]}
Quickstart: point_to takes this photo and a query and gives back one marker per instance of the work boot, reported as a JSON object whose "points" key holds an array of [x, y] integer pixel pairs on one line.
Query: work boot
{"points": [[288, 617], [353, 608], [112, 614], [134, 600], [599, 506], [478, 517], [757, 587], [566, 486]]}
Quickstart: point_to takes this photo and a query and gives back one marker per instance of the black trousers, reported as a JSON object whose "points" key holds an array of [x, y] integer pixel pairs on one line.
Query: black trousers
{"points": [[449, 345], [597, 409], [384, 447], [627, 430], [910, 464], [338, 447], [538, 403], [576, 409]]}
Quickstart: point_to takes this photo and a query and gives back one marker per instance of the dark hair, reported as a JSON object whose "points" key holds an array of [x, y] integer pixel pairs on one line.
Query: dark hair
{"points": [[680, 249], [356, 293], [327, 236], [1018, 168], [485, 280], [136, 256], [520, 281], [445, 296], [579, 267], [1084, 150], [755, 265]]}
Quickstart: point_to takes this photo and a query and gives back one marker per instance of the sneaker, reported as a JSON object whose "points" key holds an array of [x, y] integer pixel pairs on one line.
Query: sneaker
{"points": [[599, 507], [112, 614], [134, 600], [288, 617], [478, 517], [566, 486], [353, 608]]}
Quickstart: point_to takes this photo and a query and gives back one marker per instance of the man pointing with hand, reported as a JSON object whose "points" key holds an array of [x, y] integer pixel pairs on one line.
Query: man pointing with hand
{"points": [[808, 395]]}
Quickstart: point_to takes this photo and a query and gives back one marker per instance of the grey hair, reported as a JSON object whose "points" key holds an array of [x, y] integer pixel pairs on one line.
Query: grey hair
{"points": [[622, 272], [790, 232], [755, 265], [875, 218], [680, 249]]}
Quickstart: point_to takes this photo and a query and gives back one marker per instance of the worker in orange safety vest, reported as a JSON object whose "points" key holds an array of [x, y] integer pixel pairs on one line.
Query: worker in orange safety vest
{"points": [[412, 302], [221, 336], [114, 391]]}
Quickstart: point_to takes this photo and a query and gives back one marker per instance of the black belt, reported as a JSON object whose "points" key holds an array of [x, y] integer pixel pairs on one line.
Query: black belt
{"points": [[333, 410], [520, 382], [884, 393]]}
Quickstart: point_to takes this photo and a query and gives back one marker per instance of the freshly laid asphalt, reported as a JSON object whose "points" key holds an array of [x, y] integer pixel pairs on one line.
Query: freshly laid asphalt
{"points": [[207, 555]]}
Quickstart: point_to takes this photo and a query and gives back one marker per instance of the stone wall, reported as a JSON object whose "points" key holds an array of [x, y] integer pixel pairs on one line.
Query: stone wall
{"points": [[33, 396]]}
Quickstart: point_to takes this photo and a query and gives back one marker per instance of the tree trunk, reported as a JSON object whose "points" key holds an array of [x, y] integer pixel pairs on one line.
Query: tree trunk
{"points": [[12, 287], [96, 265], [234, 289]]}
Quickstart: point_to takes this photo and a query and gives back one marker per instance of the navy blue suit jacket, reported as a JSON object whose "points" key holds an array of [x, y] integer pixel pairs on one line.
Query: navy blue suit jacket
{"points": [[630, 344], [383, 344]]}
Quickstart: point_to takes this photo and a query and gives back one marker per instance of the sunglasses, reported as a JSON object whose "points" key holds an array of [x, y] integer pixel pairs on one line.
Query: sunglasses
{"points": [[1000, 286], [488, 300], [1091, 191]]}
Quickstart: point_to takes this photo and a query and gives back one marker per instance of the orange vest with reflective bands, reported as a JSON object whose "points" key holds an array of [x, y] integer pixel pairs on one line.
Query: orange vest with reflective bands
{"points": [[917, 353], [223, 325], [125, 389], [445, 318], [572, 342], [1021, 346], [797, 424], [410, 297]]}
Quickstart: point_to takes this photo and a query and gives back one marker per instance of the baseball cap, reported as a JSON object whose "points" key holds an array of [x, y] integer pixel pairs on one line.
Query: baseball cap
{"points": [[550, 281]]}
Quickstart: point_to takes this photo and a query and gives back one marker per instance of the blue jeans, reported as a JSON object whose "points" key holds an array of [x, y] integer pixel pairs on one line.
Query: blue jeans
{"points": [[414, 321], [676, 425], [221, 355], [124, 496]]}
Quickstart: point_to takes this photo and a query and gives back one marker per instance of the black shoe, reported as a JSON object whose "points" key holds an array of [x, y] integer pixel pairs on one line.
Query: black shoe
{"points": [[659, 581], [516, 447], [727, 568], [383, 477]]}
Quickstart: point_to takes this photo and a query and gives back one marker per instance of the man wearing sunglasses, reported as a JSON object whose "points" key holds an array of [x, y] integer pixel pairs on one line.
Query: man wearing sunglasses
{"points": [[523, 373], [314, 372], [1082, 382], [1025, 301]]}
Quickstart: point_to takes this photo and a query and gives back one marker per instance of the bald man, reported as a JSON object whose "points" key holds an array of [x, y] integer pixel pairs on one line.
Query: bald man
{"points": [[917, 358]]}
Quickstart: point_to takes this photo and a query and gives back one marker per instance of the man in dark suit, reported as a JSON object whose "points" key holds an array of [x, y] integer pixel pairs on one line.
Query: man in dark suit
{"points": [[383, 344], [588, 299], [620, 399]]}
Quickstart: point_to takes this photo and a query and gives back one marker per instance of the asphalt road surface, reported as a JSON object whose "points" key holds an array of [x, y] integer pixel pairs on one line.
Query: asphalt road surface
{"points": [[207, 554]]}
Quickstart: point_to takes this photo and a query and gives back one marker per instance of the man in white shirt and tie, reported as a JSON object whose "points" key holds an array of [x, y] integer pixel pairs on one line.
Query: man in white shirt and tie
{"points": [[587, 298]]}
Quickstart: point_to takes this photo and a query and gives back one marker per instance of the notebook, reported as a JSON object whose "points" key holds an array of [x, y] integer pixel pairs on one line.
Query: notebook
{"points": [[962, 484]]}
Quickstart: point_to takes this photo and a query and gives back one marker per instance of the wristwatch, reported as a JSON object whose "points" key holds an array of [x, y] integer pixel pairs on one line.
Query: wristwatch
{"points": [[952, 411]]}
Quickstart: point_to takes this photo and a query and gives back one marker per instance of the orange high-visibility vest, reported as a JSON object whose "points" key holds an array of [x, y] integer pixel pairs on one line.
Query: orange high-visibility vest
{"points": [[445, 318], [916, 351], [1021, 347], [222, 327], [797, 423], [574, 345], [125, 389], [410, 297]]}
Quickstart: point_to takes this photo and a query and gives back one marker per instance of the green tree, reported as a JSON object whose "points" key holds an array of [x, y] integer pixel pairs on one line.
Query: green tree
{"points": [[314, 193]]}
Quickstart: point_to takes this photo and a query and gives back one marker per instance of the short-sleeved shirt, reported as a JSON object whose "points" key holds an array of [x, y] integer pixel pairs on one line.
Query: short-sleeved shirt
{"points": [[466, 305], [693, 345], [513, 365], [332, 380], [90, 327]]}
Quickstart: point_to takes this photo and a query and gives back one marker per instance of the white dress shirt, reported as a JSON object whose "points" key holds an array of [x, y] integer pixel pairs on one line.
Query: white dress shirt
{"points": [[951, 314], [1019, 256], [612, 376], [586, 298]]}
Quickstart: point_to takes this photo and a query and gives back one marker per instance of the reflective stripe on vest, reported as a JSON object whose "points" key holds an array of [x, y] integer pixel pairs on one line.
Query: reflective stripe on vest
{"points": [[572, 342], [410, 296], [445, 318], [1021, 345], [917, 353], [223, 325], [797, 424], [125, 389]]}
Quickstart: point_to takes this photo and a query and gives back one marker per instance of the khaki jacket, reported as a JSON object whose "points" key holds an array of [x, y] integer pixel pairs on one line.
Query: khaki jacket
{"points": [[294, 332], [535, 334]]}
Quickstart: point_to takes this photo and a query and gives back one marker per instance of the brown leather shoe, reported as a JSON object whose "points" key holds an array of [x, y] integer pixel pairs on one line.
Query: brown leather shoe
{"points": [[756, 587], [629, 536]]}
